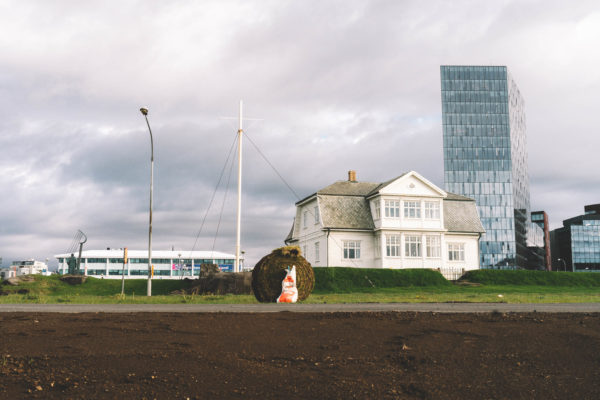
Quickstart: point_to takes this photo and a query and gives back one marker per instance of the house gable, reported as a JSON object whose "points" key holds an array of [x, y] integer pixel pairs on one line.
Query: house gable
{"points": [[411, 184]]}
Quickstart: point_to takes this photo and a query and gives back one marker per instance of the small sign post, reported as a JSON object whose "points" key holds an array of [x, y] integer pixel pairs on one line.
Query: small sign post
{"points": [[123, 272]]}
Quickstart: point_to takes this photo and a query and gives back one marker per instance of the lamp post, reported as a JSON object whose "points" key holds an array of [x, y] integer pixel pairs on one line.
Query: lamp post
{"points": [[564, 264], [144, 111]]}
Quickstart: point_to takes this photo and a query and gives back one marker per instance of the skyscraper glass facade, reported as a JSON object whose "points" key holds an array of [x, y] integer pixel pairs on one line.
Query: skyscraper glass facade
{"points": [[585, 245], [576, 246], [485, 156]]}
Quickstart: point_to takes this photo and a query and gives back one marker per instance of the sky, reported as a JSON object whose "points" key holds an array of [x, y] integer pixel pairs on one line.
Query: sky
{"points": [[327, 86]]}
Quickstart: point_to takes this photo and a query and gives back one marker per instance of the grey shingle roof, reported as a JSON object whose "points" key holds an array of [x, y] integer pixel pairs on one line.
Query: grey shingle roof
{"points": [[345, 212], [290, 235], [344, 205], [353, 212], [460, 215], [454, 196], [346, 188]]}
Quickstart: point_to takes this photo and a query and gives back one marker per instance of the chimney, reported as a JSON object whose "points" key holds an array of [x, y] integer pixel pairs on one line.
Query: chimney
{"points": [[351, 176]]}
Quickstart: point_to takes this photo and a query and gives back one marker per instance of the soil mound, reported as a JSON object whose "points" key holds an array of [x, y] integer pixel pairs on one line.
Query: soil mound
{"points": [[74, 279], [220, 283], [17, 280]]}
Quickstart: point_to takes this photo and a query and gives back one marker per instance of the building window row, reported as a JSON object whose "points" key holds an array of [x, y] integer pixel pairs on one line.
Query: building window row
{"points": [[411, 209], [413, 247]]}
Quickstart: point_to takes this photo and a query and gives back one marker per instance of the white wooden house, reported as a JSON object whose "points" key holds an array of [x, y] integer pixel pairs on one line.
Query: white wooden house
{"points": [[406, 222]]}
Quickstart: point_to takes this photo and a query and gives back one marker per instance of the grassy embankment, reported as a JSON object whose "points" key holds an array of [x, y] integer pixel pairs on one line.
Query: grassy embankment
{"points": [[339, 285]]}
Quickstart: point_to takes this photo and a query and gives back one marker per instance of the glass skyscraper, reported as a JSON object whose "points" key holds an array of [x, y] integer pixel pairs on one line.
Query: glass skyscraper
{"points": [[577, 243], [485, 157]]}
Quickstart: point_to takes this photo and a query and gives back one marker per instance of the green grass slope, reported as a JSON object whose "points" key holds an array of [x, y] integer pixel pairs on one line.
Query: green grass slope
{"points": [[53, 286], [532, 278]]}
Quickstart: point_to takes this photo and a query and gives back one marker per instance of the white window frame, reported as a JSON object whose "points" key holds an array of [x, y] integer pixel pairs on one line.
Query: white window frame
{"points": [[351, 250], [317, 252], [392, 208], [377, 209], [456, 252], [412, 207], [316, 215], [305, 219], [412, 246], [393, 245], [433, 246], [432, 210]]}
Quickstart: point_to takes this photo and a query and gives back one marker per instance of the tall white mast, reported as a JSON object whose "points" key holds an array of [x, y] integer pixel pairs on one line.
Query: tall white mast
{"points": [[236, 266]]}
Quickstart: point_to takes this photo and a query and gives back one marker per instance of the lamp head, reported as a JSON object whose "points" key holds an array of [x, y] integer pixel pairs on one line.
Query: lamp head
{"points": [[144, 111]]}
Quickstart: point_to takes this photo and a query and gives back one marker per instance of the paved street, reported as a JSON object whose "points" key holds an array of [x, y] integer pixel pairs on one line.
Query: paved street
{"points": [[326, 308]]}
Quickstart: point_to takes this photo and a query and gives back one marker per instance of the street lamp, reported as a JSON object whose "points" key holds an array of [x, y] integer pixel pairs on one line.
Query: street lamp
{"points": [[564, 264], [144, 111]]}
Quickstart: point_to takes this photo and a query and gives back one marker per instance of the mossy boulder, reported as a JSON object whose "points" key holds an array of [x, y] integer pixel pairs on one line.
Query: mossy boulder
{"points": [[269, 272]]}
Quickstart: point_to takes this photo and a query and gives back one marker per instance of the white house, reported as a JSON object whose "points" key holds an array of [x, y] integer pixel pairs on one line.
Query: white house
{"points": [[406, 222]]}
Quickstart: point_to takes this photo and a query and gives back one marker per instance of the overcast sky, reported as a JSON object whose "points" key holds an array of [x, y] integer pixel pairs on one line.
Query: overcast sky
{"points": [[338, 85]]}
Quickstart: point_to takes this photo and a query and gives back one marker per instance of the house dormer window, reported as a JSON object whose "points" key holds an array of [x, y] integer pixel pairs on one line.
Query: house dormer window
{"points": [[412, 209], [432, 210], [377, 208], [392, 208]]}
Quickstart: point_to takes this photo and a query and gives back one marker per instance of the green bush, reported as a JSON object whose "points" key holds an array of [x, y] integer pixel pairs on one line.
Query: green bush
{"points": [[532, 278], [346, 280]]}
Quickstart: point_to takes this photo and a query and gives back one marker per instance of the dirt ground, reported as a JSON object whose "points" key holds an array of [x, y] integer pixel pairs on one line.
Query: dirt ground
{"points": [[299, 356]]}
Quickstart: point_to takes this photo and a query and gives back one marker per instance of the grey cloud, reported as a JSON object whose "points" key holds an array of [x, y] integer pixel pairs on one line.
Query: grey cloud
{"points": [[339, 86]]}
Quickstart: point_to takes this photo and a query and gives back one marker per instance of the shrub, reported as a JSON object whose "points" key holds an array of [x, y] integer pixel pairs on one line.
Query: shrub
{"points": [[344, 279], [532, 278]]}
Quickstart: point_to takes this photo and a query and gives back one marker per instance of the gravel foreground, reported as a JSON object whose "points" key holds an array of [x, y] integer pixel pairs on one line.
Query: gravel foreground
{"points": [[375, 355]]}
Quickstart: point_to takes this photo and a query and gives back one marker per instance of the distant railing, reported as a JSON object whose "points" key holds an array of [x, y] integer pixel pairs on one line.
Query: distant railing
{"points": [[452, 273]]}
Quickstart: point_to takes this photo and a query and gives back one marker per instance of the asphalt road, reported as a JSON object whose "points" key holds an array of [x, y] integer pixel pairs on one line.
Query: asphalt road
{"points": [[325, 308]]}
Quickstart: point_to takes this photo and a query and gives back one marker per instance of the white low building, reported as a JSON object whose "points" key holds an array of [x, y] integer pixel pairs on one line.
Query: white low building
{"points": [[26, 267], [168, 264], [406, 222]]}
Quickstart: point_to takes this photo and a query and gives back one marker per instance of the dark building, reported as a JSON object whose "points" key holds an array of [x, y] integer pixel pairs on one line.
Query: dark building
{"points": [[485, 158], [576, 246], [540, 218]]}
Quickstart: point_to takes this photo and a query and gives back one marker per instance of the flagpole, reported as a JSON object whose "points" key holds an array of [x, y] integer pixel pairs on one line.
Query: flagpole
{"points": [[239, 200]]}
